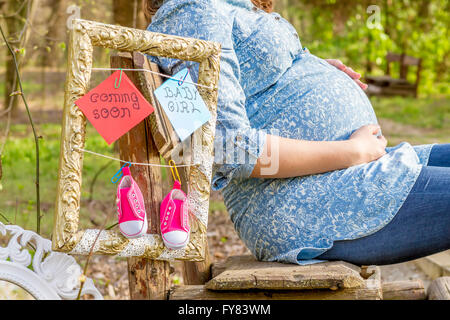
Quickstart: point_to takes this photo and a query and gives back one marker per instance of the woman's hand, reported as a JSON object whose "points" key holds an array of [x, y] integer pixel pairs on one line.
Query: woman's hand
{"points": [[368, 146], [352, 74]]}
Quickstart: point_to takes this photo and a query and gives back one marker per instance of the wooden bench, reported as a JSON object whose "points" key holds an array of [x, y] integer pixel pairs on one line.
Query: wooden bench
{"points": [[388, 86], [243, 277], [240, 277]]}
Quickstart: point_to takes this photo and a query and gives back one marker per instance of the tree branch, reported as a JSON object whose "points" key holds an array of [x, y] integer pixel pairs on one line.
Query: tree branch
{"points": [[36, 138]]}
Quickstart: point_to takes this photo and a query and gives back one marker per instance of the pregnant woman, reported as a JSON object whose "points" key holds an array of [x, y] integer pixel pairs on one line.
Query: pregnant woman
{"points": [[318, 182]]}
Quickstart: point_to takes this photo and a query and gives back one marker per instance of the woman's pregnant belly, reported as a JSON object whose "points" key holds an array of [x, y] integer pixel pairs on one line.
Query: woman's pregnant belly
{"points": [[311, 101], [315, 101]]}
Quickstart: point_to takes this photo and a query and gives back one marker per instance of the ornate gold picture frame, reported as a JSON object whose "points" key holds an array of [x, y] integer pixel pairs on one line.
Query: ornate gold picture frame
{"points": [[66, 235]]}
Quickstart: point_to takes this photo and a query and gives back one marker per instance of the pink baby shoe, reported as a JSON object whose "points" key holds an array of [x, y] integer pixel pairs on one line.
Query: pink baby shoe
{"points": [[173, 217], [130, 207]]}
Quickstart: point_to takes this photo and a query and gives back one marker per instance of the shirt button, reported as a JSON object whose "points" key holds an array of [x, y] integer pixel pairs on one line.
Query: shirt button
{"points": [[277, 18], [255, 9]]}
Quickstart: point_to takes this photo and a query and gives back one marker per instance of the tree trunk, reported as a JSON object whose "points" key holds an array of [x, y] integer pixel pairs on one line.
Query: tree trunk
{"points": [[53, 55], [149, 279], [18, 36], [129, 13], [13, 26]]}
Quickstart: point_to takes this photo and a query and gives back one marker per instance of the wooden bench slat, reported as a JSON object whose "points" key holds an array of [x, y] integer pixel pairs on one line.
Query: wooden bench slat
{"points": [[199, 292], [245, 272], [404, 290]]}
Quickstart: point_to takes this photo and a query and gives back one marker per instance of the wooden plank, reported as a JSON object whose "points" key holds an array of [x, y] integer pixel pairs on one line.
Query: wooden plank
{"points": [[439, 289], [404, 290], [166, 140], [391, 56], [245, 272], [162, 131], [411, 61], [199, 292], [148, 279], [387, 91], [387, 81], [436, 265]]}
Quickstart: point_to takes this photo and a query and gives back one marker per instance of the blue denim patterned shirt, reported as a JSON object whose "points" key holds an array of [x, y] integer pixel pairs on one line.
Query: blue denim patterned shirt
{"points": [[269, 84]]}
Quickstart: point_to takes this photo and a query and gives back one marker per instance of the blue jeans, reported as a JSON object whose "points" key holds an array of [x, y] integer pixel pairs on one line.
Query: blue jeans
{"points": [[420, 228]]}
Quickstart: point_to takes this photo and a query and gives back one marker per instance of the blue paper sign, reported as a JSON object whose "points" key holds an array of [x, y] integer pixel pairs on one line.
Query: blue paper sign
{"points": [[183, 104]]}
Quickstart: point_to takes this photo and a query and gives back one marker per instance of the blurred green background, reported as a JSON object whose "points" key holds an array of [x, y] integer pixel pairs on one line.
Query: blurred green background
{"points": [[360, 33]]}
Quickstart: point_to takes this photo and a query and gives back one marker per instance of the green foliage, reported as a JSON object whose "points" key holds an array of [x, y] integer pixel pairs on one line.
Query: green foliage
{"points": [[62, 46], [342, 29]]}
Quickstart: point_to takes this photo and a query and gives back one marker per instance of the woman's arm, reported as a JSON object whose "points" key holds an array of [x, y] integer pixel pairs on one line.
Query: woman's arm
{"points": [[292, 158]]}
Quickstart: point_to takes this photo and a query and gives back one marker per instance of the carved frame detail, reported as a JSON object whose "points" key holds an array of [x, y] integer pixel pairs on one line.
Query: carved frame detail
{"points": [[66, 235]]}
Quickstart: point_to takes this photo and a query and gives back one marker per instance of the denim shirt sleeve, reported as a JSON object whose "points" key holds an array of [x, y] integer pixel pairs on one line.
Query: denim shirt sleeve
{"points": [[237, 145]]}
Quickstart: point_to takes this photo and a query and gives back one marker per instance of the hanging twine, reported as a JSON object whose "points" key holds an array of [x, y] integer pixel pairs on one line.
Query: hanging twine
{"points": [[154, 72], [133, 163]]}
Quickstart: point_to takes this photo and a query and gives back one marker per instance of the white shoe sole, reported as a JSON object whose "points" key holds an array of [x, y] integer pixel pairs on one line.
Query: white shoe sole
{"points": [[176, 246], [143, 231]]}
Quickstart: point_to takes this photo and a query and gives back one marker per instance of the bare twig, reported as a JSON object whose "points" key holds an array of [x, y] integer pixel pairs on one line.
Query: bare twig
{"points": [[5, 218], [83, 276], [16, 209], [36, 138], [111, 226], [91, 187], [13, 15]]}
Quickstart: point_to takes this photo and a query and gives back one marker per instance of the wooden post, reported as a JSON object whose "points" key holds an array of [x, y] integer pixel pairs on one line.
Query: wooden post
{"points": [[197, 272], [148, 279], [194, 273]]}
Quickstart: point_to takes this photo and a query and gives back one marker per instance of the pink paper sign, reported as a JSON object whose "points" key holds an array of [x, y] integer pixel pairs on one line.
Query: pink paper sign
{"points": [[114, 111]]}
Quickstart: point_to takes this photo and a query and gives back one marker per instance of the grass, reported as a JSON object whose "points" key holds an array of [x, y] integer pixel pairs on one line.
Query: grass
{"points": [[28, 87], [417, 121], [430, 113], [17, 191], [17, 195]]}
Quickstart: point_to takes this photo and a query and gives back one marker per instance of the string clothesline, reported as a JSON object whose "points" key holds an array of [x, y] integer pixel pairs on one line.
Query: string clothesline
{"points": [[140, 163], [133, 163], [154, 72]]}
